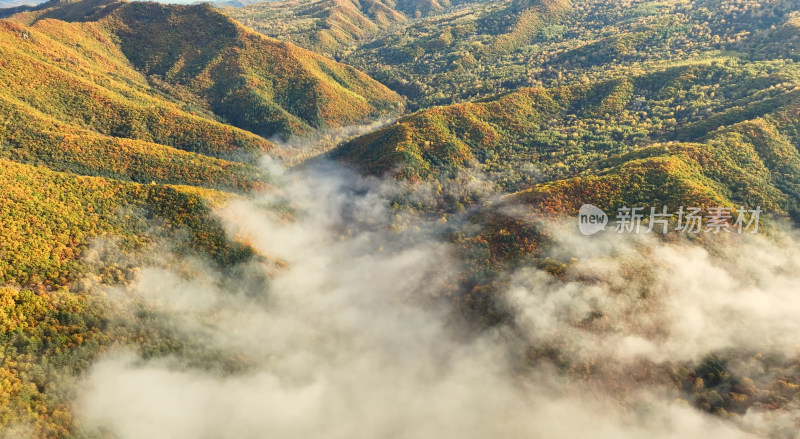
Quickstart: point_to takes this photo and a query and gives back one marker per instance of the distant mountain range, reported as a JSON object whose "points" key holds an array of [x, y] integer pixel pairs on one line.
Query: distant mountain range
{"points": [[221, 3], [333, 25], [13, 3]]}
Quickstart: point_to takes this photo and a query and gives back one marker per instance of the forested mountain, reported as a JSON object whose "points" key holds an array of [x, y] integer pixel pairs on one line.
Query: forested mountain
{"points": [[614, 104], [486, 49], [474, 127], [335, 26], [322, 25], [609, 103], [570, 135], [240, 76], [16, 3], [124, 121], [599, 90]]}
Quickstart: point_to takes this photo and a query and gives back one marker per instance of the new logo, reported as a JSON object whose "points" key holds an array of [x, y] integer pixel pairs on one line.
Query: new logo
{"points": [[591, 219]]}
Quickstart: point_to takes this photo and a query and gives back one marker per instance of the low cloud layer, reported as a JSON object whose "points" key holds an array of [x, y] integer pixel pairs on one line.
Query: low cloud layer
{"points": [[667, 302], [355, 336]]}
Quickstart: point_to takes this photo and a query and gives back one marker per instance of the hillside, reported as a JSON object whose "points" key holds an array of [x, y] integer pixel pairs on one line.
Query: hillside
{"points": [[474, 49], [323, 25], [270, 88], [256, 83], [335, 26], [714, 132], [599, 80], [17, 3], [534, 136], [107, 148], [484, 49], [52, 325], [66, 89]]}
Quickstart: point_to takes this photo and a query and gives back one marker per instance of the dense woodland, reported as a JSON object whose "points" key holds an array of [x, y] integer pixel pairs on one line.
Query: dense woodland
{"points": [[123, 124]]}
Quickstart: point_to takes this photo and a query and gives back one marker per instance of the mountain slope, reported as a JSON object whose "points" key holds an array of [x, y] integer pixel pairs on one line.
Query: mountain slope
{"points": [[336, 26], [324, 26], [66, 89], [80, 129], [51, 327], [254, 82], [462, 52], [567, 136]]}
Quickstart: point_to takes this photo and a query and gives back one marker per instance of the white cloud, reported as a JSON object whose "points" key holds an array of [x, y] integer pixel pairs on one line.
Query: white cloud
{"points": [[356, 337]]}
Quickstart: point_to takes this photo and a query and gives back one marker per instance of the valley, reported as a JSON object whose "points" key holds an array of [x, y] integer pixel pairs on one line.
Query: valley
{"points": [[323, 218]]}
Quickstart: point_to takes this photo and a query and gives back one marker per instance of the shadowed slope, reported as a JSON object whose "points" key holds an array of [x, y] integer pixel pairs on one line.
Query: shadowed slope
{"points": [[254, 82]]}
